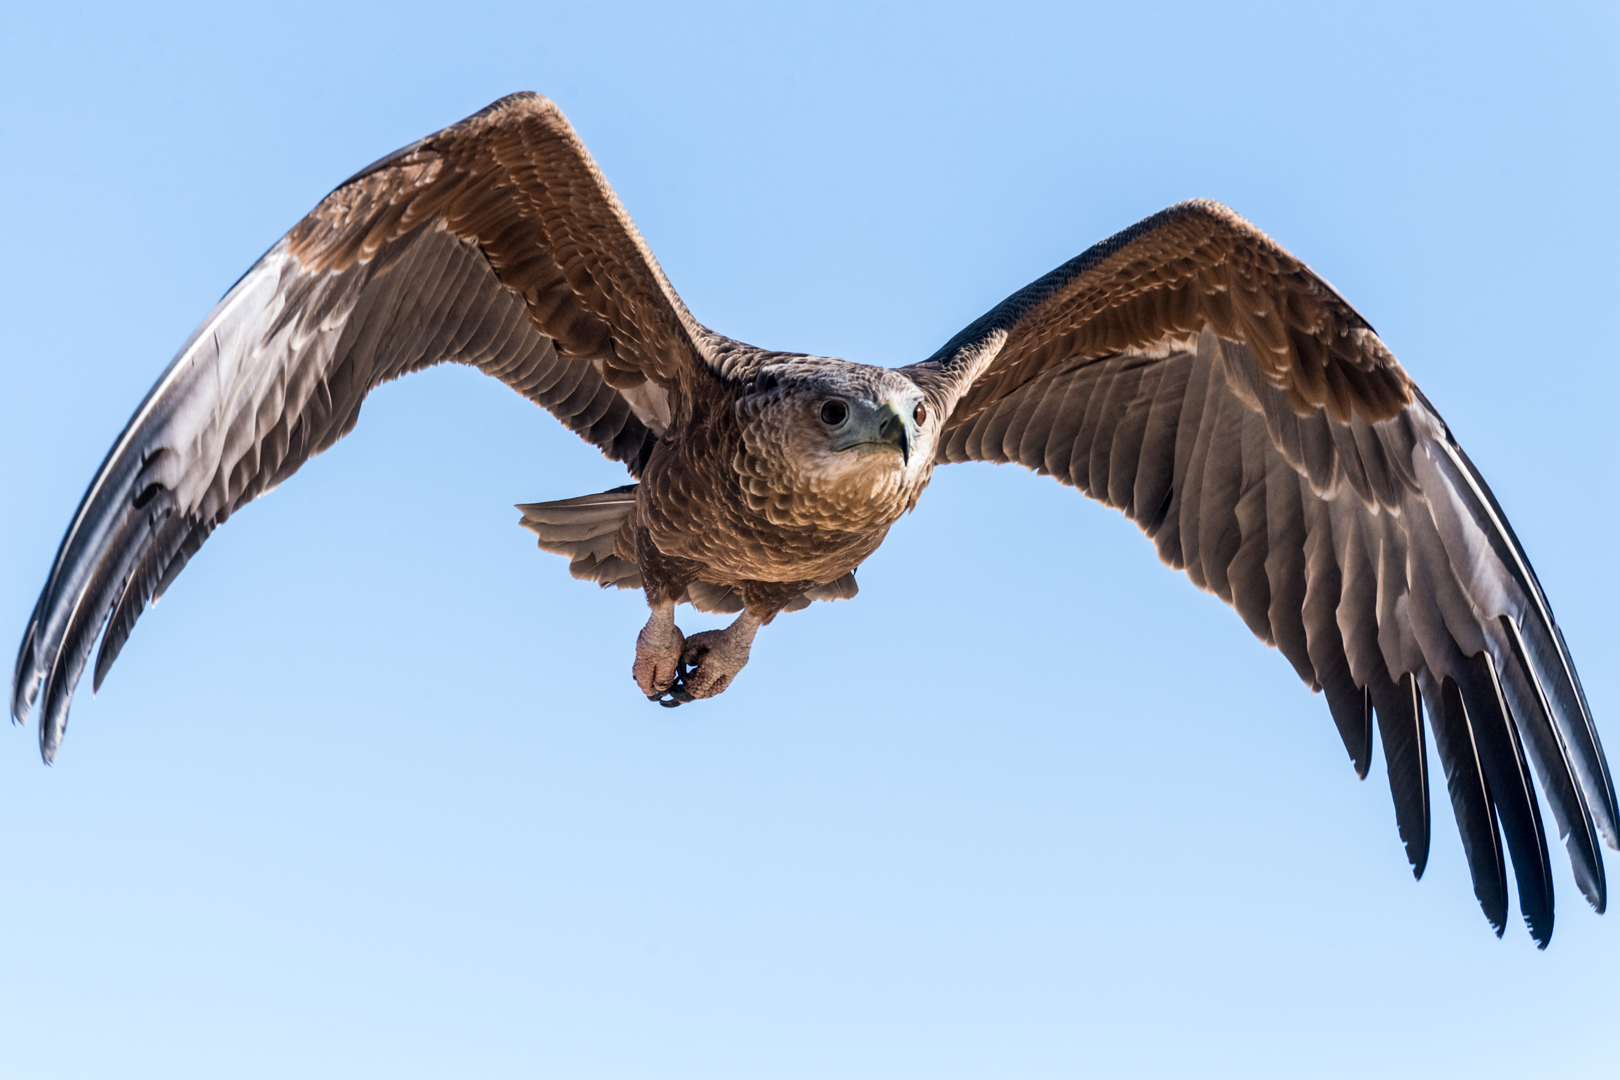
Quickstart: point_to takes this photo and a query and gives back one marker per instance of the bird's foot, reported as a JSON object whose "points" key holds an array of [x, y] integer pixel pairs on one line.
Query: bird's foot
{"points": [[658, 654], [710, 661]]}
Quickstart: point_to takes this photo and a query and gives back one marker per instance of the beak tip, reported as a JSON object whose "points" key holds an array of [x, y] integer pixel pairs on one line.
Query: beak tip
{"points": [[893, 430]]}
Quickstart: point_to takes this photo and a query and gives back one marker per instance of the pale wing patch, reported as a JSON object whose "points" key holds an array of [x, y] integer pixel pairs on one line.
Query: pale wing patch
{"points": [[651, 403]]}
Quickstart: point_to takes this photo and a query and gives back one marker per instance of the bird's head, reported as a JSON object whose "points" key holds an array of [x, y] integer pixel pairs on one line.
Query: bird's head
{"points": [[834, 444]]}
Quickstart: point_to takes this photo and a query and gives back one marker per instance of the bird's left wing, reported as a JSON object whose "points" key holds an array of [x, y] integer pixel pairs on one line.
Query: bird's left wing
{"points": [[494, 243], [1195, 375]]}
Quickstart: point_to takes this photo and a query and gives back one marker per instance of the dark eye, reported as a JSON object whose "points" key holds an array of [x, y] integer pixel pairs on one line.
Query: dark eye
{"points": [[921, 415], [833, 412]]}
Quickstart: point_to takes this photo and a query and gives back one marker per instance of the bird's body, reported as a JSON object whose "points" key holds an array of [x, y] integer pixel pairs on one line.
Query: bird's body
{"points": [[1187, 371], [780, 516]]}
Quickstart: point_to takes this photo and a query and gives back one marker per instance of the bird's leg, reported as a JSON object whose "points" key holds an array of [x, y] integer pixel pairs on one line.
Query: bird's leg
{"points": [[658, 651], [713, 658], [660, 643]]}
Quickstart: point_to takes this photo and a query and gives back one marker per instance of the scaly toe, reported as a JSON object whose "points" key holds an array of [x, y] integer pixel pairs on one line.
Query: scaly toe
{"points": [[711, 659], [658, 662]]}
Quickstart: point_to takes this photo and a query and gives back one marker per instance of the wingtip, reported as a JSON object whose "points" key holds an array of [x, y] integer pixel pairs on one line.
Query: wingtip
{"points": [[1351, 710], [53, 711], [1589, 876], [18, 709], [24, 677]]}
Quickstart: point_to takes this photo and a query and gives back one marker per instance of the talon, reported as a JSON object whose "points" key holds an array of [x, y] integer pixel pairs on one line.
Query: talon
{"points": [[675, 696], [698, 667]]}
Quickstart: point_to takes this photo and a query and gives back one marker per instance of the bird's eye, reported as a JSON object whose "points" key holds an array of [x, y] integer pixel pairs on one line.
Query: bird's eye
{"points": [[921, 415], [834, 412]]}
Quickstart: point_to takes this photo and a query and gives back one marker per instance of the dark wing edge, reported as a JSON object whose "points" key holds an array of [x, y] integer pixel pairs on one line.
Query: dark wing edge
{"points": [[494, 243], [1352, 533]]}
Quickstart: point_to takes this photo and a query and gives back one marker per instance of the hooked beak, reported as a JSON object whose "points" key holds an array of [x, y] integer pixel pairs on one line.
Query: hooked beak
{"points": [[893, 430], [882, 425]]}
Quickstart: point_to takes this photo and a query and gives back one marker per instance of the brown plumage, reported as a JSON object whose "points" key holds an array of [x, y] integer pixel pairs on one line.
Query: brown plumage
{"points": [[1187, 371]]}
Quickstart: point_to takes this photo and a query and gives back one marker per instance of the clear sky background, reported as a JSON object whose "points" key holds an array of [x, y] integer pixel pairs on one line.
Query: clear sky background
{"points": [[371, 793]]}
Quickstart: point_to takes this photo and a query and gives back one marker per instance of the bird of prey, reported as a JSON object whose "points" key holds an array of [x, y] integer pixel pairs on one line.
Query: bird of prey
{"points": [[1187, 371]]}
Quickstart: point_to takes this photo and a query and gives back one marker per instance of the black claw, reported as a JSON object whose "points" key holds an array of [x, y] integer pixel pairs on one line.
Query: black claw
{"points": [[677, 693]]}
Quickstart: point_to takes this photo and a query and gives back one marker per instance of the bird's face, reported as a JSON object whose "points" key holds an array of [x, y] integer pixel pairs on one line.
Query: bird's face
{"points": [[853, 444]]}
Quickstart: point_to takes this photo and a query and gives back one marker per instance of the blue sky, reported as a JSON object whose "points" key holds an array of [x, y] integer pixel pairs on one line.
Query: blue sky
{"points": [[371, 793]]}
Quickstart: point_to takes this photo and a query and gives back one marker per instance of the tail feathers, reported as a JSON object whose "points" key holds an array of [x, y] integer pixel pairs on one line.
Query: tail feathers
{"points": [[842, 589], [585, 530]]}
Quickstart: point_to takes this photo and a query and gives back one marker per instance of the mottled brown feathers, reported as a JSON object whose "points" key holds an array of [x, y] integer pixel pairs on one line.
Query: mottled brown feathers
{"points": [[516, 179], [1193, 266], [746, 487]]}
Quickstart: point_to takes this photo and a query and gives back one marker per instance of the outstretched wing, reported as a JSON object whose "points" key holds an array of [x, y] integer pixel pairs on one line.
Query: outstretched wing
{"points": [[494, 243], [1195, 375]]}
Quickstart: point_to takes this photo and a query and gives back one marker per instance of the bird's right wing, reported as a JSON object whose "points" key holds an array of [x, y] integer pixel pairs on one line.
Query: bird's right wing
{"points": [[494, 243]]}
